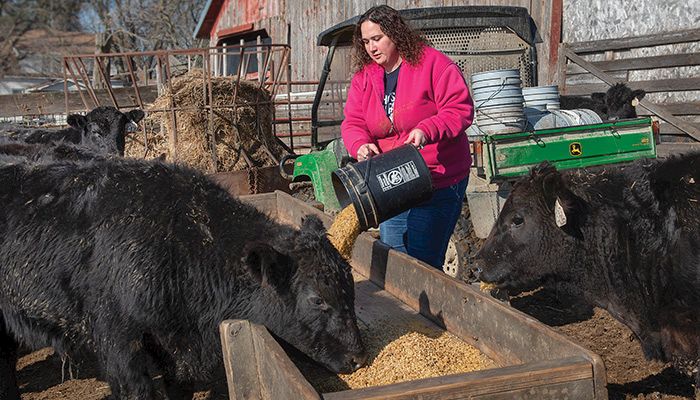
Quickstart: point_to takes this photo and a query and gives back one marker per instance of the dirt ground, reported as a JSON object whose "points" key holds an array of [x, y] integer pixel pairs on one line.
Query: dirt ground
{"points": [[629, 375]]}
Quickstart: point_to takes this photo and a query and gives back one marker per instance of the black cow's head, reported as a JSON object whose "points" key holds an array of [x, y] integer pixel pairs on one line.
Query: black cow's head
{"points": [[539, 223], [106, 127], [308, 295], [621, 101]]}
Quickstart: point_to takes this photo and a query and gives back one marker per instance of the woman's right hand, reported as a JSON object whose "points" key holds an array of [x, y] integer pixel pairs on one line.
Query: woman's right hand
{"points": [[366, 151]]}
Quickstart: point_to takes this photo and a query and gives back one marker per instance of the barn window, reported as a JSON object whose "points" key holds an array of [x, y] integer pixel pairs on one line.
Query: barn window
{"points": [[254, 53]]}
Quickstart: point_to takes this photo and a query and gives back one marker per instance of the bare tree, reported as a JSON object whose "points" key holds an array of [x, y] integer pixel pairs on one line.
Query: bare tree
{"points": [[146, 25], [17, 17]]}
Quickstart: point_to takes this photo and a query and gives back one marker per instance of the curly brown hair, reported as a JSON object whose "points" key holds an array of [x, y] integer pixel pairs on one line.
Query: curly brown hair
{"points": [[408, 42]]}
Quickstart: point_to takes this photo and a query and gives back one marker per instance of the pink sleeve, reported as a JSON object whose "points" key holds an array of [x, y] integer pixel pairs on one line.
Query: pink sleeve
{"points": [[354, 128], [454, 104]]}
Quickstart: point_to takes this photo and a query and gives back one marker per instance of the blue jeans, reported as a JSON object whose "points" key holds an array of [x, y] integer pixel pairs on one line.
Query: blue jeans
{"points": [[424, 231]]}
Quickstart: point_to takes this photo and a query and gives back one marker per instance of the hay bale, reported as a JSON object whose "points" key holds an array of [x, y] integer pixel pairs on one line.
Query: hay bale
{"points": [[244, 127]]}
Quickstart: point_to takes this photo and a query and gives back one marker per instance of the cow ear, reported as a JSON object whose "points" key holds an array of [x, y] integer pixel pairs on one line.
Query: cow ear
{"points": [[267, 266], [135, 115], [637, 95], [600, 97], [77, 121], [310, 232], [312, 224], [569, 210]]}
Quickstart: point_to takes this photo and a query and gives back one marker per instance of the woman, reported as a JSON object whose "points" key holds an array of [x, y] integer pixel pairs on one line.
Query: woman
{"points": [[407, 92]]}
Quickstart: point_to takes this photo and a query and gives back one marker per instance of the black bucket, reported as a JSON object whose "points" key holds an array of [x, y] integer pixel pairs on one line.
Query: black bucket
{"points": [[384, 186]]}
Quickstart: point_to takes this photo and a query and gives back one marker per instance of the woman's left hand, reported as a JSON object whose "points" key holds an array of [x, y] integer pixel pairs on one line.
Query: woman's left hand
{"points": [[417, 138]]}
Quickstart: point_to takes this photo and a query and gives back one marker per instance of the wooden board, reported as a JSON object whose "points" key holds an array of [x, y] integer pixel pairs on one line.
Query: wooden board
{"points": [[557, 379], [257, 367]]}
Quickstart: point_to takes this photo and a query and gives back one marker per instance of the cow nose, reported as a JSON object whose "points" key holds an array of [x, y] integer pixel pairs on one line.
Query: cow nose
{"points": [[359, 361]]}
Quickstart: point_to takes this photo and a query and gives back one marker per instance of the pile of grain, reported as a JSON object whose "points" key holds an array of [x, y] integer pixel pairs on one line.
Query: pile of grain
{"points": [[400, 354], [344, 231], [245, 127]]}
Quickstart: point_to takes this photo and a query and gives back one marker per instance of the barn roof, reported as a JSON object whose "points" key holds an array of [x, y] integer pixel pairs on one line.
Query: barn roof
{"points": [[207, 19]]}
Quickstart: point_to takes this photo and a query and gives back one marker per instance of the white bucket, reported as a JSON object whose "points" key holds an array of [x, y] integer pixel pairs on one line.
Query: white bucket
{"points": [[565, 118], [505, 91], [498, 100], [541, 97]]}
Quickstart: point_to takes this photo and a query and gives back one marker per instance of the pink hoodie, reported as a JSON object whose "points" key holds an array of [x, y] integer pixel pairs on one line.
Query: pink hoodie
{"points": [[432, 96]]}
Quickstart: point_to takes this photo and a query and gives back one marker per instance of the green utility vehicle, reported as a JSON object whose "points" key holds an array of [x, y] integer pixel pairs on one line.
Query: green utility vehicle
{"points": [[478, 39]]}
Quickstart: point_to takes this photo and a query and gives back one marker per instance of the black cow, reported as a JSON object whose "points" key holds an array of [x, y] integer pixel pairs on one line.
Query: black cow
{"points": [[618, 102], [596, 103], [625, 239], [136, 261], [14, 151], [103, 127]]}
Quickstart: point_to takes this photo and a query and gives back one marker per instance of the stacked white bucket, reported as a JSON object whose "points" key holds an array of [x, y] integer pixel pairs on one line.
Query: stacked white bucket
{"points": [[542, 110], [502, 106], [498, 100], [541, 98], [539, 102]]}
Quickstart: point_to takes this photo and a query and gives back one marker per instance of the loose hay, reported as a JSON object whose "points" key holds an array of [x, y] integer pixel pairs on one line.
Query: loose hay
{"points": [[400, 354], [344, 231], [246, 127], [486, 287]]}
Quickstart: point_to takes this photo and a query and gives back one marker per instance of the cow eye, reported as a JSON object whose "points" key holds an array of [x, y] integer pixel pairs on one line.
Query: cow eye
{"points": [[316, 301], [518, 220]]}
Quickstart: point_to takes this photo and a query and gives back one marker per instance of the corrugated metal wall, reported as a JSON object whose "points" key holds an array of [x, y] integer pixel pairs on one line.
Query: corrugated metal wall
{"points": [[307, 18], [610, 19]]}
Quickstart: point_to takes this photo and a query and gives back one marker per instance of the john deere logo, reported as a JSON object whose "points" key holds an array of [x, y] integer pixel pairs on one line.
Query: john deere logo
{"points": [[575, 149]]}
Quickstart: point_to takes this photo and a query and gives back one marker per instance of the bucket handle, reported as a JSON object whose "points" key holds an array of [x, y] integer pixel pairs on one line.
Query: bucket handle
{"points": [[362, 188], [504, 79], [284, 159]]}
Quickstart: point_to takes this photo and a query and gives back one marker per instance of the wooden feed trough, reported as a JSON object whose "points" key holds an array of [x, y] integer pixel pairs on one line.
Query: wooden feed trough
{"points": [[533, 361]]}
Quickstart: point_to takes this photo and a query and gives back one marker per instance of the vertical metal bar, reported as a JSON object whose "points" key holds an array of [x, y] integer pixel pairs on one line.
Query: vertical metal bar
{"points": [[77, 87], [65, 85], [159, 76], [319, 92], [82, 70], [238, 76], [258, 54], [266, 67], [173, 120], [263, 72], [285, 53], [289, 103], [224, 71], [127, 60], [210, 118], [108, 84], [244, 66]]}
